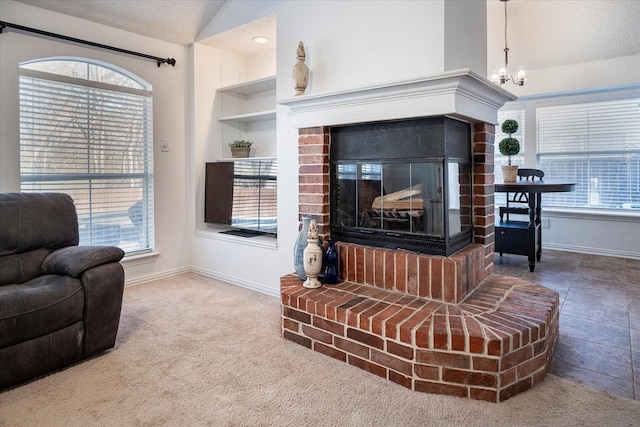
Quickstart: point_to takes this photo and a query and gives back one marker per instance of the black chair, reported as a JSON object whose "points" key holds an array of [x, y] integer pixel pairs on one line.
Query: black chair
{"points": [[518, 203]]}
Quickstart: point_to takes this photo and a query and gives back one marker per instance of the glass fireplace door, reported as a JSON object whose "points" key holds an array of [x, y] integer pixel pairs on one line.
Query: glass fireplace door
{"points": [[400, 197]]}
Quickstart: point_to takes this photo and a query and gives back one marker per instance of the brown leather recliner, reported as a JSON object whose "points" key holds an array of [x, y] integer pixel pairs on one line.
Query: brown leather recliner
{"points": [[59, 302]]}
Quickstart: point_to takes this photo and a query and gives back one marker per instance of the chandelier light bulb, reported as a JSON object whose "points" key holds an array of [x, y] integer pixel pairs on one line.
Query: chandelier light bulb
{"points": [[522, 76]]}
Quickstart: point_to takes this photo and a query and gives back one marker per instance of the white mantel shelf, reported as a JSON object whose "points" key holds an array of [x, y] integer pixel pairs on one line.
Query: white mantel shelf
{"points": [[461, 94]]}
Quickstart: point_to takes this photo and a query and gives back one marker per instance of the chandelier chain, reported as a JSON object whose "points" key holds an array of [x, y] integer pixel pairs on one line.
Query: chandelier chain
{"points": [[505, 25]]}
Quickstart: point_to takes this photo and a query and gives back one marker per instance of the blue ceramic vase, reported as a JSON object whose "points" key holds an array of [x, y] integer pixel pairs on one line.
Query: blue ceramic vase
{"points": [[331, 264]]}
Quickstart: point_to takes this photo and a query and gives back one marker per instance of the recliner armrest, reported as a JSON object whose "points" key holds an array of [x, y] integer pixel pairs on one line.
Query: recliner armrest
{"points": [[74, 260]]}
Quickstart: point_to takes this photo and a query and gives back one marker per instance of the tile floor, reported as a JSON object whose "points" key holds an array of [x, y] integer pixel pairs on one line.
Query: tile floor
{"points": [[599, 343]]}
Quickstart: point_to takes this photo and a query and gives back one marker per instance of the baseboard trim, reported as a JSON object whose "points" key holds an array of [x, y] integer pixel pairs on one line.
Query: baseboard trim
{"points": [[156, 276], [589, 250], [258, 287]]}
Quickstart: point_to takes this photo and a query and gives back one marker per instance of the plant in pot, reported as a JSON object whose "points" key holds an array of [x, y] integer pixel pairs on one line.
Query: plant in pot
{"points": [[509, 147], [240, 148]]}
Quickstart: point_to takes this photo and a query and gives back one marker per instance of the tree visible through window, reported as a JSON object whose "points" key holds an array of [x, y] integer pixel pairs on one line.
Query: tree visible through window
{"points": [[86, 130]]}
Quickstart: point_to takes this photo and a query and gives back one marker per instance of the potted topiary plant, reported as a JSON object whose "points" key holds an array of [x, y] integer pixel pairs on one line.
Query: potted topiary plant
{"points": [[509, 147], [240, 148]]}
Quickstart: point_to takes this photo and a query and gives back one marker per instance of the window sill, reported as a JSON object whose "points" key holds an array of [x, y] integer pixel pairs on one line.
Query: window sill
{"points": [[591, 214], [139, 259], [267, 241]]}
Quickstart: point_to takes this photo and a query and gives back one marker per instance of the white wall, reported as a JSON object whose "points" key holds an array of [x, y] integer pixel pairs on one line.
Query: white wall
{"points": [[465, 21], [170, 95]]}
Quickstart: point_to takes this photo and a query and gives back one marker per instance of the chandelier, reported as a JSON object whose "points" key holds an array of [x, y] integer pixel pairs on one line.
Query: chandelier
{"points": [[502, 75]]}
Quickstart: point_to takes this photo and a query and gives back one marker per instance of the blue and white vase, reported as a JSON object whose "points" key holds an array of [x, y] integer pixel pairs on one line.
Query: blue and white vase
{"points": [[298, 248], [313, 255]]}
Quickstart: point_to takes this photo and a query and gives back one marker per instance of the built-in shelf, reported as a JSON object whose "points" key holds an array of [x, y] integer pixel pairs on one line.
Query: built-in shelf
{"points": [[254, 86], [247, 111], [251, 117], [244, 159]]}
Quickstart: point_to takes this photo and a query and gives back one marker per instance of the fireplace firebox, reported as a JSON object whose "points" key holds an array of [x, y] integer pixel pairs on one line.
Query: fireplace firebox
{"points": [[402, 184]]}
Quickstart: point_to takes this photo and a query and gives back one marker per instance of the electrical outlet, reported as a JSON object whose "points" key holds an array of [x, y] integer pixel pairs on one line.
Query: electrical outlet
{"points": [[164, 145], [545, 222]]}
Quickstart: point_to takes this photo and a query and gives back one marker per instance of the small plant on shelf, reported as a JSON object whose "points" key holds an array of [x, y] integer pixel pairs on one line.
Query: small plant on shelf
{"points": [[240, 148], [241, 143], [509, 147]]}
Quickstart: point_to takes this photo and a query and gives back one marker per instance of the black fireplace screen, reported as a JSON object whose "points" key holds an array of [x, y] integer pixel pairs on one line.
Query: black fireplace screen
{"points": [[408, 197]]}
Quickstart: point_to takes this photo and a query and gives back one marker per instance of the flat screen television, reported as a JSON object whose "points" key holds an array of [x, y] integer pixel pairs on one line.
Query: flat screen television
{"points": [[243, 196]]}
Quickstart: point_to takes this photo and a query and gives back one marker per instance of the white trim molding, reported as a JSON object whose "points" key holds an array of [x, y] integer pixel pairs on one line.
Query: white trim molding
{"points": [[461, 94]]}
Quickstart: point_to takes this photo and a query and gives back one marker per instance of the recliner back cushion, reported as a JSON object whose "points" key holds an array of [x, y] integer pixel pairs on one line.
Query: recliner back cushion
{"points": [[36, 220], [31, 226]]}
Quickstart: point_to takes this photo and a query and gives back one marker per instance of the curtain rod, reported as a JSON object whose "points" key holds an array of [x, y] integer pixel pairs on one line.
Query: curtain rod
{"points": [[158, 60]]}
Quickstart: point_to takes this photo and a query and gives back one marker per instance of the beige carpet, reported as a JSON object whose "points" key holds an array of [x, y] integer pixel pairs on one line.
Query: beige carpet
{"points": [[192, 351]]}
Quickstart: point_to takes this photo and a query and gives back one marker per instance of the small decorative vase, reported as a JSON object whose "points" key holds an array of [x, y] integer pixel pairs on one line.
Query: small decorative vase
{"points": [[300, 72], [510, 173], [312, 256], [298, 248], [331, 264]]}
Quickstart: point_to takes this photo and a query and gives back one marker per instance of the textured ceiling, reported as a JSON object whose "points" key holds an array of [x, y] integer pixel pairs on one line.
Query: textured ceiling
{"points": [[176, 21], [542, 33]]}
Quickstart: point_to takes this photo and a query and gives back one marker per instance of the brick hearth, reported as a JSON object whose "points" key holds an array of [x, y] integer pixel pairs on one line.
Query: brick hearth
{"points": [[495, 343], [434, 324]]}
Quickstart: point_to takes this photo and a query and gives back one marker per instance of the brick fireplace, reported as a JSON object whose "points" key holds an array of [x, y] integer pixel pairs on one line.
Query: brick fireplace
{"points": [[431, 323]]}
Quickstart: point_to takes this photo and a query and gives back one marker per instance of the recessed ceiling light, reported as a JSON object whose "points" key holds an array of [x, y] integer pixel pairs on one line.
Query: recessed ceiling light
{"points": [[260, 39]]}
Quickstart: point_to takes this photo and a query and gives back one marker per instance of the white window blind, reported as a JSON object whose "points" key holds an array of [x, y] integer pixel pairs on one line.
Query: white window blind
{"points": [[597, 146], [499, 159], [86, 130]]}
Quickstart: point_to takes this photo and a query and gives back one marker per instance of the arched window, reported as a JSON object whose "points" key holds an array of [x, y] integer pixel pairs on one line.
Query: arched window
{"points": [[86, 130]]}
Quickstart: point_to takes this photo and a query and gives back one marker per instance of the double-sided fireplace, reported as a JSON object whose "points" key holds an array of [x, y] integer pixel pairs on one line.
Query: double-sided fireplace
{"points": [[402, 184], [401, 176]]}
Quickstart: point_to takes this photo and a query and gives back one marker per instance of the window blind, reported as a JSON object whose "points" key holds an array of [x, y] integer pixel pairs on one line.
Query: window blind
{"points": [[597, 146], [93, 141]]}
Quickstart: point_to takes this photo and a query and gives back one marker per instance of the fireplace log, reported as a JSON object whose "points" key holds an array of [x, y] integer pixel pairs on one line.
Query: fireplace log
{"points": [[400, 205], [396, 200]]}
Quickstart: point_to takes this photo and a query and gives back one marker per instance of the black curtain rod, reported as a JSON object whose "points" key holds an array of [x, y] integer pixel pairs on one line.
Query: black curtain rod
{"points": [[158, 60]]}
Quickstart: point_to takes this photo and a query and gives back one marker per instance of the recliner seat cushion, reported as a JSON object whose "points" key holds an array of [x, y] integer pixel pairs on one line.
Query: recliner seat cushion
{"points": [[39, 307]]}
